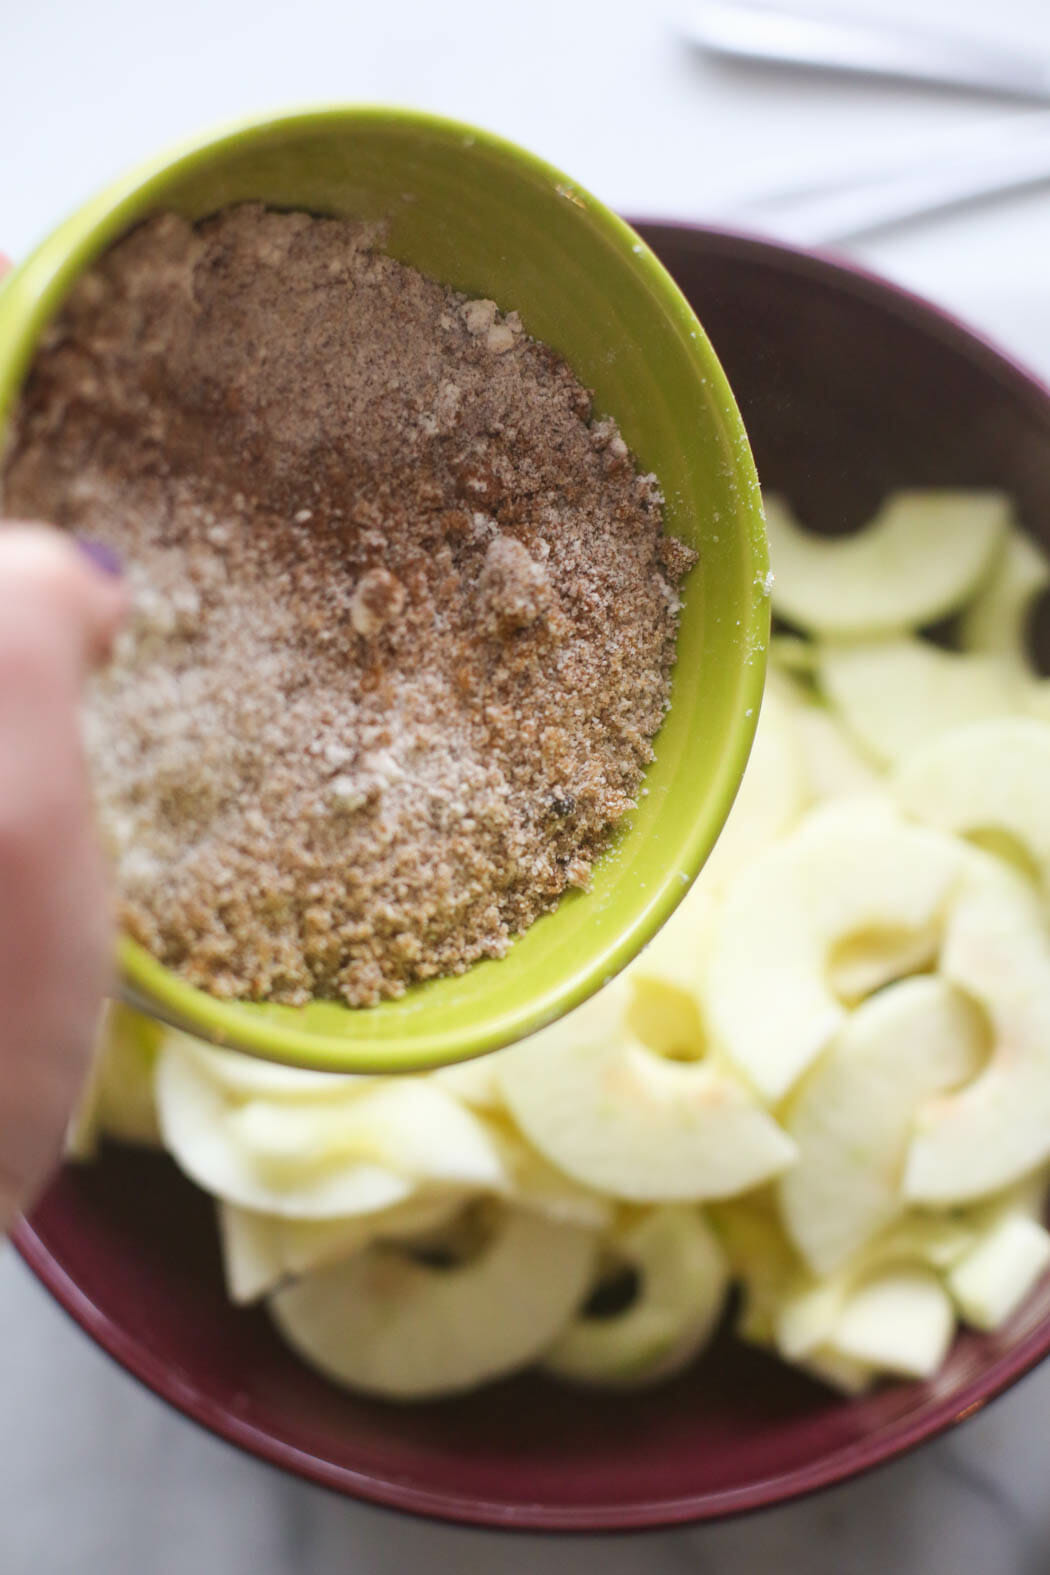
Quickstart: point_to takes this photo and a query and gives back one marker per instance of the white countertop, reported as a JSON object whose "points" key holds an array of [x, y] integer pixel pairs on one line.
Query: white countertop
{"points": [[97, 1477]]}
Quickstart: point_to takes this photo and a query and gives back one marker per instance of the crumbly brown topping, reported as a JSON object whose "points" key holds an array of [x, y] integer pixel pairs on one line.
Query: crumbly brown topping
{"points": [[403, 612]]}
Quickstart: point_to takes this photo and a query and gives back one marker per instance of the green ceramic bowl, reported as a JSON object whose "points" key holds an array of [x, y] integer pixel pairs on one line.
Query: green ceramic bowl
{"points": [[488, 218]]}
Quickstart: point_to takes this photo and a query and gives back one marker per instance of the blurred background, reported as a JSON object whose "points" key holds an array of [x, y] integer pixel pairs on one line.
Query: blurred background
{"points": [[96, 1476]]}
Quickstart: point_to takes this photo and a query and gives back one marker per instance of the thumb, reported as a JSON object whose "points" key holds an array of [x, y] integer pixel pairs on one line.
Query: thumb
{"points": [[48, 582]]}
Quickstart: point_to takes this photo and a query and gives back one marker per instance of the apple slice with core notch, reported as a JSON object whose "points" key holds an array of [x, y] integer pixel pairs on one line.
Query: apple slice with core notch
{"points": [[997, 1127], [851, 1118], [921, 557], [894, 695], [390, 1325], [682, 1277], [849, 870], [989, 777], [620, 1118]]}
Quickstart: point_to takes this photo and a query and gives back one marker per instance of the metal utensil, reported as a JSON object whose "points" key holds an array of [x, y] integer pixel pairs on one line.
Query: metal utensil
{"points": [[984, 161], [828, 39]]}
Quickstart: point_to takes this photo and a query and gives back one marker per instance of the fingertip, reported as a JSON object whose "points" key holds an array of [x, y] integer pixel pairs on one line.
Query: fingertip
{"points": [[39, 562]]}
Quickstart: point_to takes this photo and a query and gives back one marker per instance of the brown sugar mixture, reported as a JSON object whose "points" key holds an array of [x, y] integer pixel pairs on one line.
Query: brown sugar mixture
{"points": [[403, 610]]}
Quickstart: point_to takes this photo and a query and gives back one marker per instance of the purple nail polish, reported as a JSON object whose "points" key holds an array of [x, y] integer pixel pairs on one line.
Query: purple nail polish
{"points": [[101, 556]]}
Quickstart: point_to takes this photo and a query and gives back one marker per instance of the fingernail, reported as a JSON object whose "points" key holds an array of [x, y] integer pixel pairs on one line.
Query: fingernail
{"points": [[101, 556]]}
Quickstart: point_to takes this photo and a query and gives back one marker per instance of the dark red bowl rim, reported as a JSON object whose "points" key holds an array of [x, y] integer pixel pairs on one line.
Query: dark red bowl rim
{"points": [[865, 1454]]}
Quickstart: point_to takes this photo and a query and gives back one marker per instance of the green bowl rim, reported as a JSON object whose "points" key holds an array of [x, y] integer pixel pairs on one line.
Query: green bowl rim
{"points": [[221, 1021]]}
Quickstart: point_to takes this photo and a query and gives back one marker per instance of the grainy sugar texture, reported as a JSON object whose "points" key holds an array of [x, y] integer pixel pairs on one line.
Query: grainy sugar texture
{"points": [[403, 611]]}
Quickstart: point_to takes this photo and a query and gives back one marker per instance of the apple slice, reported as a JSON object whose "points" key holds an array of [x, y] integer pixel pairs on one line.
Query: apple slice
{"points": [[894, 695], [118, 1100], [251, 1252], [761, 1259], [921, 557], [842, 1373], [989, 777], [250, 1077], [534, 1183], [260, 1251], [850, 869], [622, 1119], [996, 621], [390, 1325], [773, 794], [664, 1008], [807, 1308], [474, 1082], [851, 1118], [900, 1321], [194, 1112], [682, 1282], [834, 766], [997, 1127], [990, 1283], [790, 653], [404, 1124]]}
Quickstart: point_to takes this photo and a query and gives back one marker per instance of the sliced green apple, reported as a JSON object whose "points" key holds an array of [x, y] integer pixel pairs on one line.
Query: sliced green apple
{"points": [[990, 1283], [835, 768], [921, 557], [194, 1112], [409, 1125], [534, 1183], [261, 1251], [850, 869], [997, 1127], [250, 1077], [773, 794], [790, 653], [390, 1325], [474, 1082], [682, 1278], [894, 695], [251, 1252], [995, 622], [762, 1262], [118, 1101], [851, 1118], [622, 1119], [989, 777], [842, 1373], [664, 1006], [900, 1321]]}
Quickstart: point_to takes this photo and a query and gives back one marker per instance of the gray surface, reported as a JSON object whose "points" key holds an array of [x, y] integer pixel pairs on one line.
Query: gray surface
{"points": [[98, 1476]]}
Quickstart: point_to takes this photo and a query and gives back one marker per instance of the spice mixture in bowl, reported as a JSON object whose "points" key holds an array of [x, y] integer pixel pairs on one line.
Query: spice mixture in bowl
{"points": [[372, 404], [403, 610]]}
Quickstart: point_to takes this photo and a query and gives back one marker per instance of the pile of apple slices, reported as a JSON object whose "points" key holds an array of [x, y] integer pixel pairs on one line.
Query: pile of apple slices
{"points": [[827, 1081]]}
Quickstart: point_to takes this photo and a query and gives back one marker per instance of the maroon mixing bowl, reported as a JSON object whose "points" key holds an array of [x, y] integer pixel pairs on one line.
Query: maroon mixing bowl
{"points": [[848, 387]]}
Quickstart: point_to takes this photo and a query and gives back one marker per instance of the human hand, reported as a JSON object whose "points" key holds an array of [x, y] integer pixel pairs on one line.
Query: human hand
{"points": [[58, 615]]}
